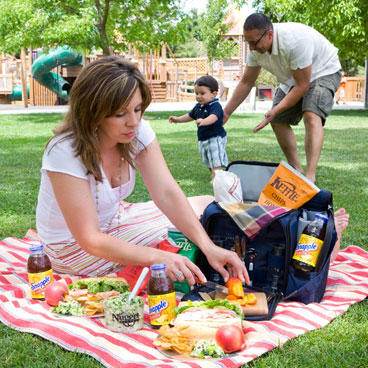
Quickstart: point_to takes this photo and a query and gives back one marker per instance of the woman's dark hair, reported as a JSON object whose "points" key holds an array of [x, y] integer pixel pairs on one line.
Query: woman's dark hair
{"points": [[257, 21], [102, 89], [207, 81]]}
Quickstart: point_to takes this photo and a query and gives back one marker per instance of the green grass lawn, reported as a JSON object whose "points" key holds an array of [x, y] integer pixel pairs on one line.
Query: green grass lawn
{"points": [[343, 169]]}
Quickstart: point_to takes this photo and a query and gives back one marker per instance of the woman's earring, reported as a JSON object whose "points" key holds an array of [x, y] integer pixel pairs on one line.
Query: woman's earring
{"points": [[96, 131]]}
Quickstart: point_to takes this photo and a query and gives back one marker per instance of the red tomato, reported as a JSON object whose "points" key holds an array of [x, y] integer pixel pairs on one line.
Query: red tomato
{"points": [[54, 292], [230, 338]]}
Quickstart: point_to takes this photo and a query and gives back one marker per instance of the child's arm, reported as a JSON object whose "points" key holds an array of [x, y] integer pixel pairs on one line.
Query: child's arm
{"points": [[180, 119], [207, 121]]}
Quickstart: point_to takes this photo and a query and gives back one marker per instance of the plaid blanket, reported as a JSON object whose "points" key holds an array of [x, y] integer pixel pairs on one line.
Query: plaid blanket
{"points": [[251, 217], [347, 284]]}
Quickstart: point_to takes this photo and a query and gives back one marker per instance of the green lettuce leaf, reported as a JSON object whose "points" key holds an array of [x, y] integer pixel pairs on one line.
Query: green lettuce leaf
{"points": [[216, 303], [97, 286]]}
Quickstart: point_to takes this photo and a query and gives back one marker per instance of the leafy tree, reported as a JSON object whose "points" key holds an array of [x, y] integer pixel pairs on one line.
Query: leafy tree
{"points": [[87, 24], [342, 22], [190, 43], [213, 30]]}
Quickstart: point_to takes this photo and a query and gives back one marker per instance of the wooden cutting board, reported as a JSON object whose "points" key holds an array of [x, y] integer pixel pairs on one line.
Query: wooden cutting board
{"points": [[258, 309]]}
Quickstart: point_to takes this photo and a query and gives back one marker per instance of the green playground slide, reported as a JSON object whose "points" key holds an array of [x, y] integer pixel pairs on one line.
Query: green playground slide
{"points": [[16, 95], [42, 66]]}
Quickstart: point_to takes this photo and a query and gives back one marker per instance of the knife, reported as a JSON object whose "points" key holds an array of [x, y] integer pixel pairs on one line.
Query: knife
{"points": [[214, 286], [237, 246], [243, 248]]}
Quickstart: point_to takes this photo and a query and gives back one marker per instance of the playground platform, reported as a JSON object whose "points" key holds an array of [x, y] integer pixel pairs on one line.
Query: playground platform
{"points": [[260, 107]]}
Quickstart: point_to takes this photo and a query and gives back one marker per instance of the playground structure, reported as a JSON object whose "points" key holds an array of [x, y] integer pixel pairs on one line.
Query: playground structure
{"points": [[50, 75], [10, 80], [43, 66]]}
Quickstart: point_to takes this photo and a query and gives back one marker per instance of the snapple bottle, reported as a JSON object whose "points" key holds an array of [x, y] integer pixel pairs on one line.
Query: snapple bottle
{"points": [[309, 245], [161, 297], [39, 272]]}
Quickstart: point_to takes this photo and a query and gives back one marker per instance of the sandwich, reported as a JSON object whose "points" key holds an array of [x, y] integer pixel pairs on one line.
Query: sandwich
{"points": [[91, 291], [200, 320]]}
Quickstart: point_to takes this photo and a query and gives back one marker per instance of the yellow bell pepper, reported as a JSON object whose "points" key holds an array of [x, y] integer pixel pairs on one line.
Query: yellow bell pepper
{"points": [[251, 298], [235, 287]]}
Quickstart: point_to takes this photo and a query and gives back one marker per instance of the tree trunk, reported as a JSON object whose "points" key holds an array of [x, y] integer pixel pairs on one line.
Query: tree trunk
{"points": [[24, 76], [102, 14]]}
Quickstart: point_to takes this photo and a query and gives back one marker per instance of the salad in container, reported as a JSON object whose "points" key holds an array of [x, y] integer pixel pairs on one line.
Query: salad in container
{"points": [[122, 315]]}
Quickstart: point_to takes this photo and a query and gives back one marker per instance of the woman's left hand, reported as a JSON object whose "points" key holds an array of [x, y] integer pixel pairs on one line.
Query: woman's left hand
{"points": [[219, 258]]}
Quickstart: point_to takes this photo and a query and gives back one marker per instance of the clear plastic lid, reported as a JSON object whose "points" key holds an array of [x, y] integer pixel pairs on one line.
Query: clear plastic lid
{"points": [[36, 248], [324, 218], [156, 267]]}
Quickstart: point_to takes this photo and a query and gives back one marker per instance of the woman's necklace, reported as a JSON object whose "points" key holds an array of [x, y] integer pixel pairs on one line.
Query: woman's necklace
{"points": [[120, 196]]}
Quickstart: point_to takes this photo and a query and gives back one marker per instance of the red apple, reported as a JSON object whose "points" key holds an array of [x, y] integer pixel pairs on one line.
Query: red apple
{"points": [[54, 292], [230, 338]]}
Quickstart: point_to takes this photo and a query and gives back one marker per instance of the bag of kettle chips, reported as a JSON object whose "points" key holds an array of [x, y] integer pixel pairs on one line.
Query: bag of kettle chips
{"points": [[187, 249], [287, 188]]}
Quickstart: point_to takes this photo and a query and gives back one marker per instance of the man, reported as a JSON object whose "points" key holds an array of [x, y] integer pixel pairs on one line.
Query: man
{"points": [[308, 70]]}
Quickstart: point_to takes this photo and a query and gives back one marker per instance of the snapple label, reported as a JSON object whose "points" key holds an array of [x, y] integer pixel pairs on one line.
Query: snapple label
{"points": [[161, 308]]}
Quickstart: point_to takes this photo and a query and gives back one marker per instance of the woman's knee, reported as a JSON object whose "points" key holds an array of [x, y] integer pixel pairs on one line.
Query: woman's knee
{"points": [[199, 203]]}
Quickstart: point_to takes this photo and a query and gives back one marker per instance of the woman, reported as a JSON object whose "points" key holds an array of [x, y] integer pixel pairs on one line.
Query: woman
{"points": [[88, 168]]}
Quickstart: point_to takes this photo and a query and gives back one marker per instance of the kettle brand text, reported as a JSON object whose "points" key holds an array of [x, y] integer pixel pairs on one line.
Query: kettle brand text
{"points": [[286, 188]]}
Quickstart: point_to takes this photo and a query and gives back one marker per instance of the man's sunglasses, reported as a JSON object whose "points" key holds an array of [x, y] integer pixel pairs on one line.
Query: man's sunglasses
{"points": [[255, 43]]}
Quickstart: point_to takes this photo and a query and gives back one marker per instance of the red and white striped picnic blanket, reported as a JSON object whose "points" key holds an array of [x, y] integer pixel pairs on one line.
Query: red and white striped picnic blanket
{"points": [[347, 284]]}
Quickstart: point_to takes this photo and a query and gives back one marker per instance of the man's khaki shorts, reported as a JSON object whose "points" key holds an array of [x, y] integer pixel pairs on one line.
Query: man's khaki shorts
{"points": [[319, 99]]}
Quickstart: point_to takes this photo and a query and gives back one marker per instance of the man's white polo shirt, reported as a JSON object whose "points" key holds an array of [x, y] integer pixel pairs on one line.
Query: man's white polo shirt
{"points": [[296, 46]]}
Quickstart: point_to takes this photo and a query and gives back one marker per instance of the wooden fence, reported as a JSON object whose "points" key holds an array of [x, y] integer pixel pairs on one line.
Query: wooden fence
{"points": [[39, 95]]}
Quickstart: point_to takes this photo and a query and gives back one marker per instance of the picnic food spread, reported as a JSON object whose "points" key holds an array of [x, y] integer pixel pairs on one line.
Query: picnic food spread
{"points": [[209, 329], [89, 293], [200, 330], [39, 271]]}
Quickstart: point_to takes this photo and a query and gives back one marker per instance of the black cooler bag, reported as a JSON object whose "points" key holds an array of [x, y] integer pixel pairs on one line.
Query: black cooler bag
{"points": [[269, 253]]}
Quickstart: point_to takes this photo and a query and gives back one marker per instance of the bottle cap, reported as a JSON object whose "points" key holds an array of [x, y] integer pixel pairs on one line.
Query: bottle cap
{"points": [[322, 217], [156, 267], [35, 248]]}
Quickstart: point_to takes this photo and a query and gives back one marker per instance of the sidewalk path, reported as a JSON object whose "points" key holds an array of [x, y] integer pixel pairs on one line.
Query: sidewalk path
{"points": [[261, 107]]}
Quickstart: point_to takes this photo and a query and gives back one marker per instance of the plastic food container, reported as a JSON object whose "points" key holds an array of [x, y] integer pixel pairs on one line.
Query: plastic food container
{"points": [[124, 316]]}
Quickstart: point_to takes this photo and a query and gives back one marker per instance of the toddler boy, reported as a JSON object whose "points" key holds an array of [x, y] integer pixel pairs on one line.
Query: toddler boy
{"points": [[208, 115]]}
